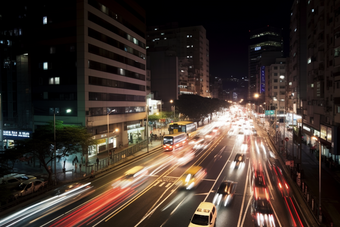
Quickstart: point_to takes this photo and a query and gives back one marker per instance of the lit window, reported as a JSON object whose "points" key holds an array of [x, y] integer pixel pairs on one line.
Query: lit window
{"points": [[290, 83], [45, 65], [187, 36], [336, 52], [309, 60], [135, 41], [44, 20], [338, 109], [188, 46], [162, 33], [312, 10], [188, 56], [122, 72], [164, 37], [20, 32], [146, 47], [190, 66], [52, 50], [156, 29], [311, 85], [54, 80], [192, 45], [295, 29], [1, 41]]}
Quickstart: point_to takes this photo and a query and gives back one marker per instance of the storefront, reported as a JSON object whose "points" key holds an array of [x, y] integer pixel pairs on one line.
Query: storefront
{"points": [[103, 144], [135, 132], [10, 136]]}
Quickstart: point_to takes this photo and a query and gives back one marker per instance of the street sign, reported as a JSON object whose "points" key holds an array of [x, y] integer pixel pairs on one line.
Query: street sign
{"points": [[269, 112]]}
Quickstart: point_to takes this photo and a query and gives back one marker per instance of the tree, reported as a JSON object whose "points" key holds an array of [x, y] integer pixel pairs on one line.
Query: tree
{"points": [[69, 140], [197, 108]]}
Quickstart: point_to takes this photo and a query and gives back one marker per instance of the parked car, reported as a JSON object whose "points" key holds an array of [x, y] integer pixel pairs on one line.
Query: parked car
{"points": [[14, 179], [28, 187]]}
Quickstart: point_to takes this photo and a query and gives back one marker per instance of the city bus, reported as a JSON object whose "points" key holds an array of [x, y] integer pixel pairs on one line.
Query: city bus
{"points": [[174, 141], [188, 127]]}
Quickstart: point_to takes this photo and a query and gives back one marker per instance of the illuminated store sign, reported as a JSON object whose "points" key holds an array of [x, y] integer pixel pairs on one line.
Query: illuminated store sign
{"points": [[16, 134], [257, 48]]}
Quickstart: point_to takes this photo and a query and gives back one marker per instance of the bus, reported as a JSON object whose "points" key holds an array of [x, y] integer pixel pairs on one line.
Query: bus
{"points": [[188, 127], [174, 141]]}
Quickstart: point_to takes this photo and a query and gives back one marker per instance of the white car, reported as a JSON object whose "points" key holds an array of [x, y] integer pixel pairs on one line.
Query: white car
{"points": [[28, 187], [205, 215]]}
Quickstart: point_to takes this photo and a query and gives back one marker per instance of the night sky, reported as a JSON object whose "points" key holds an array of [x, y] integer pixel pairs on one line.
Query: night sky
{"points": [[227, 26]]}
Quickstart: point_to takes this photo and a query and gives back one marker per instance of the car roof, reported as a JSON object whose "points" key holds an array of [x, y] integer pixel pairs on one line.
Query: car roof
{"points": [[134, 170], [204, 208], [194, 169]]}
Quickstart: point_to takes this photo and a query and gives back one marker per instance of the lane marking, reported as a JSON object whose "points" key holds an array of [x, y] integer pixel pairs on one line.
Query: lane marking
{"points": [[168, 185], [161, 184], [244, 196]]}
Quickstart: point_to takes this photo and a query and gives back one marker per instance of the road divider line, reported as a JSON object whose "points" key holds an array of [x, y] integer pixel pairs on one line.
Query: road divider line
{"points": [[244, 196]]}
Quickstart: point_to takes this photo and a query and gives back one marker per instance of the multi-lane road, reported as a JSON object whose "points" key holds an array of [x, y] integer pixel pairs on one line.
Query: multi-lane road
{"points": [[157, 199]]}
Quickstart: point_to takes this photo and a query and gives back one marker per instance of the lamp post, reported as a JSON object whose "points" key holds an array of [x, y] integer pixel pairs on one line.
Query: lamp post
{"points": [[108, 131], [147, 128], [172, 101], [318, 139], [55, 110]]}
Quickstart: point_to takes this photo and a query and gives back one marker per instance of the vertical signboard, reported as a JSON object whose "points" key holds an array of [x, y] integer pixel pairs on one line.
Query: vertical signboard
{"points": [[263, 79]]}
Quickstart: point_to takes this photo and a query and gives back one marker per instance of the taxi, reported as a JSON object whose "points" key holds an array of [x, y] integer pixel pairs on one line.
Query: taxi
{"points": [[192, 177]]}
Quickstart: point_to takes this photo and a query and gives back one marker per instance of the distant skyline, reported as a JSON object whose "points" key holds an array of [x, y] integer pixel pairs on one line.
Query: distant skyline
{"points": [[227, 27]]}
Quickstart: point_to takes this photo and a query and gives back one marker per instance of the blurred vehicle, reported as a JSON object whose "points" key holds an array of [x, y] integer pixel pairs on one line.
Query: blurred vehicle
{"points": [[216, 130], [209, 136], [28, 187], [231, 131], [14, 179], [185, 157], [133, 177], [174, 141], [238, 161], [205, 215], [192, 177], [262, 212], [254, 132], [182, 126], [196, 140], [225, 193], [200, 144]]}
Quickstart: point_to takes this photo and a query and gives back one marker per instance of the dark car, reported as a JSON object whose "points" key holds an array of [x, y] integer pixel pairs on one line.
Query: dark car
{"points": [[262, 212], [238, 161], [225, 193]]}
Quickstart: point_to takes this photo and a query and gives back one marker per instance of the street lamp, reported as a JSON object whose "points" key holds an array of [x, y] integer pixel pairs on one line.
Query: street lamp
{"points": [[318, 139], [172, 101]]}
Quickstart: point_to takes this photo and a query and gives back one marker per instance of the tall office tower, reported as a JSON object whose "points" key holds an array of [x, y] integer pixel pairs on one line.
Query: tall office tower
{"points": [[188, 43], [265, 45], [87, 60], [16, 113]]}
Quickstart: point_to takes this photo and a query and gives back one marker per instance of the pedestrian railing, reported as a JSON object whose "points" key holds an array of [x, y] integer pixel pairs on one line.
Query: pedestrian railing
{"points": [[113, 159]]}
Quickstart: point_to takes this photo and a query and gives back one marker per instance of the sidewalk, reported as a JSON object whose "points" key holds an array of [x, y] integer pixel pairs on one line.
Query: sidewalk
{"points": [[77, 171], [330, 186]]}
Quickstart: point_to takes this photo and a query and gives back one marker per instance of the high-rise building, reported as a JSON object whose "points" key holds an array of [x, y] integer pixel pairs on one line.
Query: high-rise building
{"points": [[87, 60], [314, 73], [265, 45], [189, 43]]}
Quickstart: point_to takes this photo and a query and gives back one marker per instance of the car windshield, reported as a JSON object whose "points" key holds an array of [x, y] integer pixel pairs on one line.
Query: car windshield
{"points": [[21, 186], [200, 219]]}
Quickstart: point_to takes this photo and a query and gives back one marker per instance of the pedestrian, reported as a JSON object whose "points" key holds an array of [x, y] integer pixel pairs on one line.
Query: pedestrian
{"points": [[80, 167], [76, 159], [82, 157], [97, 160], [75, 167]]}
